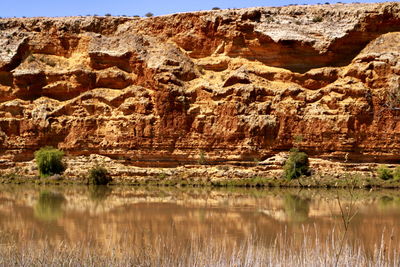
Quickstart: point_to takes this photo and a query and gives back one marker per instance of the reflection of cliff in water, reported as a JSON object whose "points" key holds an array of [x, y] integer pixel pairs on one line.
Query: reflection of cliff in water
{"points": [[138, 216]]}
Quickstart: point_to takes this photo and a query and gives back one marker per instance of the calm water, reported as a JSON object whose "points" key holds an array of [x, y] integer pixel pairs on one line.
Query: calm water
{"points": [[129, 217]]}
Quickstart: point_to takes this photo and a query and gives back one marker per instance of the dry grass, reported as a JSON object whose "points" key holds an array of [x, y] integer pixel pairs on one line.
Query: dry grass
{"points": [[305, 250]]}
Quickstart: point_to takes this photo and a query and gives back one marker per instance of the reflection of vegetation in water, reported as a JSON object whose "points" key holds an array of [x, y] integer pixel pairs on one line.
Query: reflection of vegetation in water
{"points": [[296, 208], [388, 202], [99, 193], [49, 206]]}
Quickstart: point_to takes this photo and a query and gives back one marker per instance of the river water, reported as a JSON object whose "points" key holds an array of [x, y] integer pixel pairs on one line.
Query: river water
{"points": [[121, 218]]}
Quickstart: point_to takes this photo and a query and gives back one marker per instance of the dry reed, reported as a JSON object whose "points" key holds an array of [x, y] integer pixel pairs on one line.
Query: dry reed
{"points": [[306, 249]]}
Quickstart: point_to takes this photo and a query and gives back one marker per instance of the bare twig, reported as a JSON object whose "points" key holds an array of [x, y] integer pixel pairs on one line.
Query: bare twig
{"points": [[347, 216]]}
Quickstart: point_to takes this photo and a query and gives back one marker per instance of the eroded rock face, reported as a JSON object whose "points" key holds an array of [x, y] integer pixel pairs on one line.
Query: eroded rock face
{"points": [[222, 85]]}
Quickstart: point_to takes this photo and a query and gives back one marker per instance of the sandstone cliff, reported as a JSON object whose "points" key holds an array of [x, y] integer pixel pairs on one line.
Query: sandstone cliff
{"points": [[230, 85]]}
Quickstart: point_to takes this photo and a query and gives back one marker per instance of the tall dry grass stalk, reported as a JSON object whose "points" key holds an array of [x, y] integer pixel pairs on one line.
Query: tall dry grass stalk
{"points": [[306, 249]]}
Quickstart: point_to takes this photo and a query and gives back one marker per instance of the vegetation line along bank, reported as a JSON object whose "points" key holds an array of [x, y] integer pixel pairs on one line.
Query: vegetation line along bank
{"points": [[295, 172]]}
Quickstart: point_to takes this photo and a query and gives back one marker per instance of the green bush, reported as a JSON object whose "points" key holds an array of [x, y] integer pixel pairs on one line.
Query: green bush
{"points": [[49, 161], [396, 173], [296, 165], [99, 176], [317, 19], [384, 172]]}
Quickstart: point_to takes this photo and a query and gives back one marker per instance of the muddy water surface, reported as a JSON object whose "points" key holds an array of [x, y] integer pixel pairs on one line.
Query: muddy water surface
{"points": [[135, 217]]}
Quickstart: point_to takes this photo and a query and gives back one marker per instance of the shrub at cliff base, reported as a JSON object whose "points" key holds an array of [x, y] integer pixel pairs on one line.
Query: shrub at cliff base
{"points": [[396, 173], [99, 176], [296, 165], [49, 161], [386, 173]]}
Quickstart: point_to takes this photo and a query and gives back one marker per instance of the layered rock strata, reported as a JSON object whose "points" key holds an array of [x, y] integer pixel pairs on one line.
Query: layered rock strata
{"points": [[222, 86]]}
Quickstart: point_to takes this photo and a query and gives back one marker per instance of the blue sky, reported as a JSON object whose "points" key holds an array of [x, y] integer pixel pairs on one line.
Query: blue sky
{"points": [[53, 8]]}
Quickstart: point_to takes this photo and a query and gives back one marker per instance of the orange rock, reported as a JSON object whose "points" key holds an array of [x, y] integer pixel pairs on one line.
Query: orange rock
{"points": [[239, 84]]}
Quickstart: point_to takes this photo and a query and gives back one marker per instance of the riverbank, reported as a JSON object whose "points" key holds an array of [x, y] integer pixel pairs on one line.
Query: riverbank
{"points": [[315, 181], [325, 174]]}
